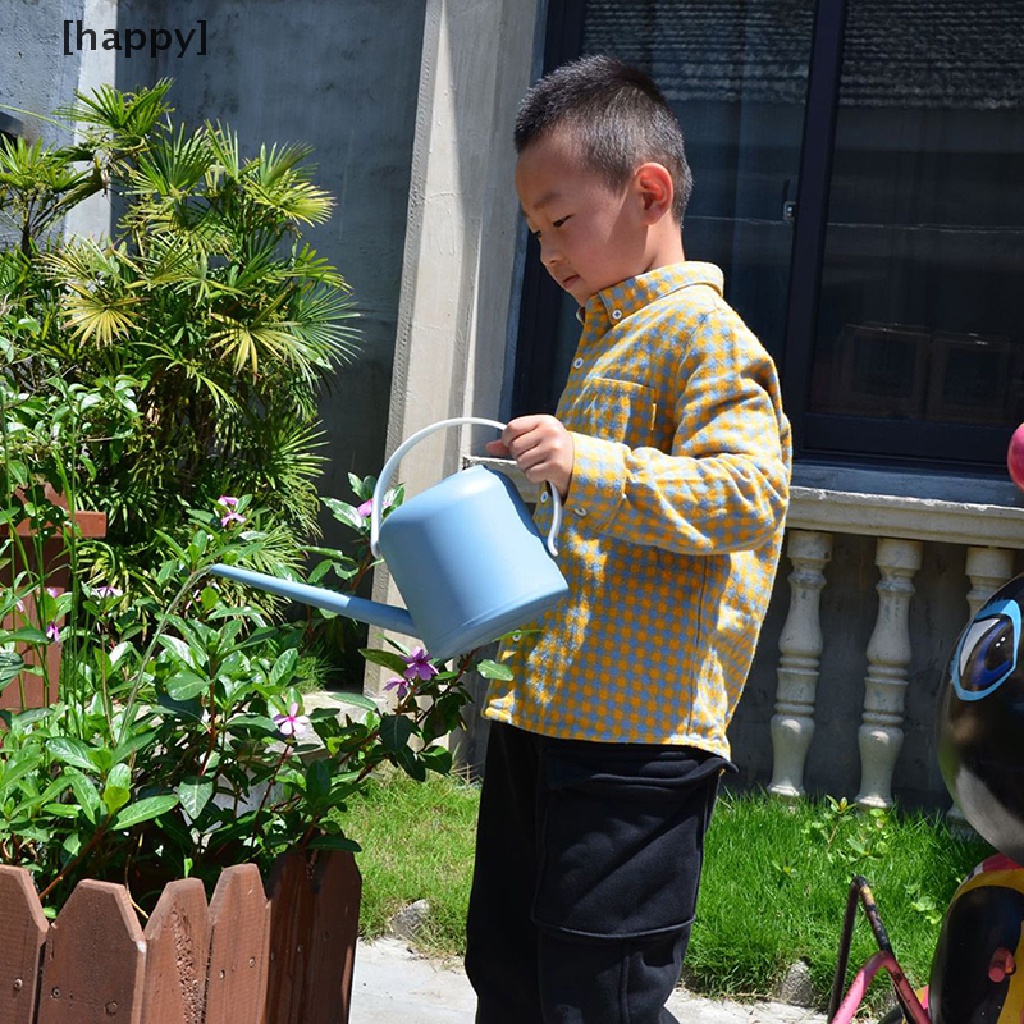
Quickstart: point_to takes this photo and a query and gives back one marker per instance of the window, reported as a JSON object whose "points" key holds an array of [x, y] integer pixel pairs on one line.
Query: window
{"points": [[857, 169], [10, 127]]}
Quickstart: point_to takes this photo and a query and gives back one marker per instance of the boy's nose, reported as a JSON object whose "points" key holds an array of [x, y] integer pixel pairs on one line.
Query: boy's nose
{"points": [[549, 255]]}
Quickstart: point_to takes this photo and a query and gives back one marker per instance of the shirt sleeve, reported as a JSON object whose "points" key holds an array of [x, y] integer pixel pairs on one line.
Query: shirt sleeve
{"points": [[725, 484]]}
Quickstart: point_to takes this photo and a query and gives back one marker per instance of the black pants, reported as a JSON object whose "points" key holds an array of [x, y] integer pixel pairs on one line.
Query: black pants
{"points": [[588, 863]]}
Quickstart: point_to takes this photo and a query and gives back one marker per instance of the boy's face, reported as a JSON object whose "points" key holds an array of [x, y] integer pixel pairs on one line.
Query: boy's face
{"points": [[591, 235]]}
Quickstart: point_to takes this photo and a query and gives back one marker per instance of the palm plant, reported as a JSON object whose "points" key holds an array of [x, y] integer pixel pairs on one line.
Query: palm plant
{"points": [[206, 296]]}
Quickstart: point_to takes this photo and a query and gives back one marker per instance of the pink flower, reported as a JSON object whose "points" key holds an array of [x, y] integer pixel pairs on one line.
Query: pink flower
{"points": [[229, 506], [293, 723], [52, 633], [108, 592], [400, 685], [366, 509], [20, 605], [53, 591], [418, 665]]}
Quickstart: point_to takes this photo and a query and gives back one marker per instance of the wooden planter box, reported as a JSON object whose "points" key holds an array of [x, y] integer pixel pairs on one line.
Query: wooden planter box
{"points": [[55, 565], [245, 959]]}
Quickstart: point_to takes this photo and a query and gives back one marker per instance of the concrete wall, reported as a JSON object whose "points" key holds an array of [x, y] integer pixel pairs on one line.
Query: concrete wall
{"points": [[340, 76], [34, 73]]}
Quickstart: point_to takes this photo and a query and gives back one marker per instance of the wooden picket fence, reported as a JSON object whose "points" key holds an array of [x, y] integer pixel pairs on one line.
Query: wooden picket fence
{"points": [[244, 959]]}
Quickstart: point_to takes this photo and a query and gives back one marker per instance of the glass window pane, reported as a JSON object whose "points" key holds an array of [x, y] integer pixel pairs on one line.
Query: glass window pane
{"points": [[921, 305], [736, 76]]}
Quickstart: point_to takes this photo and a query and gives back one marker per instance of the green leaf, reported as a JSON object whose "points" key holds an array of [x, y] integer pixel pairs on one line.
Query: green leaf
{"points": [[186, 685], [411, 764], [10, 665], [318, 781], [356, 700], [195, 793], [284, 667], [437, 759], [133, 743], [87, 795], [182, 708], [176, 646], [492, 670], [386, 659], [260, 722], [144, 810], [24, 635], [71, 751], [19, 766], [118, 790], [395, 731]]}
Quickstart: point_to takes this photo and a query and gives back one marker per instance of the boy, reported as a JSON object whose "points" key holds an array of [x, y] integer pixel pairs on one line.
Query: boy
{"points": [[672, 454]]}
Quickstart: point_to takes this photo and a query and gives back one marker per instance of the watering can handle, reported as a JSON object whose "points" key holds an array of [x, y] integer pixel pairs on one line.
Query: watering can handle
{"points": [[385, 476]]}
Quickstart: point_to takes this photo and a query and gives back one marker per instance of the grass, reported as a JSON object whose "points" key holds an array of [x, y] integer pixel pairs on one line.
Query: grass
{"points": [[774, 888]]}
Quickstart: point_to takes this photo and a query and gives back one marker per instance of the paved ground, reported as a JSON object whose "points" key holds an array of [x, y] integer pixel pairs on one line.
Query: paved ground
{"points": [[393, 986]]}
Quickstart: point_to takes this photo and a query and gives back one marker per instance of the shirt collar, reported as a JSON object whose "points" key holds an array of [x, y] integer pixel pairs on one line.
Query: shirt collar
{"points": [[621, 300]]}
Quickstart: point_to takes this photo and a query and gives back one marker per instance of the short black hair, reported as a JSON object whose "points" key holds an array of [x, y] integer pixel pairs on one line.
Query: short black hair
{"points": [[616, 114]]}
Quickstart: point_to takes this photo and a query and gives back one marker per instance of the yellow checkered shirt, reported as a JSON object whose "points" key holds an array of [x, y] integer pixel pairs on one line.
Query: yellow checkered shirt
{"points": [[673, 522]]}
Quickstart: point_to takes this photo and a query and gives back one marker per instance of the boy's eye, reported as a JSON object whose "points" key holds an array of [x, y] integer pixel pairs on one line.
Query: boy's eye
{"points": [[561, 220]]}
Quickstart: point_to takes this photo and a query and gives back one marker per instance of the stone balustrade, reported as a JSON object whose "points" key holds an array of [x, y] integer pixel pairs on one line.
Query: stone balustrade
{"points": [[901, 525]]}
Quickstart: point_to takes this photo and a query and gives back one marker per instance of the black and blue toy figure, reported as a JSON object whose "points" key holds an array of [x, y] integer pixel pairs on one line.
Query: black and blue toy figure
{"points": [[977, 974]]}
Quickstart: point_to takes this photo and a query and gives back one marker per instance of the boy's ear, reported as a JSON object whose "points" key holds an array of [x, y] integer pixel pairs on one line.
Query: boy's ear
{"points": [[656, 190]]}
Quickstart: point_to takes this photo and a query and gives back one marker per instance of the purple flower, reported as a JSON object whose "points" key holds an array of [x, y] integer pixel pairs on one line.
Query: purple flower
{"points": [[229, 506], [107, 591], [20, 605], [52, 633], [417, 665], [399, 684], [293, 723]]}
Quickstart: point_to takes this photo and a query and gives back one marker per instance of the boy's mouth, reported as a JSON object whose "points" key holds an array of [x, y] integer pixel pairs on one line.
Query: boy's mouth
{"points": [[568, 282]]}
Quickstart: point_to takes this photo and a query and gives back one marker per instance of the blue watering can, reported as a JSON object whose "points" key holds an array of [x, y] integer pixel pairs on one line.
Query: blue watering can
{"points": [[464, 554]]}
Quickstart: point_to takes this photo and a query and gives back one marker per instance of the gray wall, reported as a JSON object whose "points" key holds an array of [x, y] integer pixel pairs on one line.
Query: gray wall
{"points": [[341, 76], [34, 73]]}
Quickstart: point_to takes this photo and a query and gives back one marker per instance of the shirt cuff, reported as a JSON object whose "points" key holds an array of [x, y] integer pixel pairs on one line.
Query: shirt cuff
{"points": [[598, 483]]}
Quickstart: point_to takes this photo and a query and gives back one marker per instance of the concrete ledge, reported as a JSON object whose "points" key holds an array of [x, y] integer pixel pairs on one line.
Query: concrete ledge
{"points": [[873, 515]]}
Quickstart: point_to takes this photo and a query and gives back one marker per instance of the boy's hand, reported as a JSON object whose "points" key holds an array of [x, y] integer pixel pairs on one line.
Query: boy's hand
{"points": [[541, 447]]}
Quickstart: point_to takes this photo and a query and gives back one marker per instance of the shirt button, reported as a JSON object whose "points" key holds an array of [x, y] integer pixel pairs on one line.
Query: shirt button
{"points": [[616, 314], [581, 512], [544, 496], [577, 362]]}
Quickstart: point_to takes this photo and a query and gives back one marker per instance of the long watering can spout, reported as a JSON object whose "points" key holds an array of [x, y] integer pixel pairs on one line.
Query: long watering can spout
{"points": [[398, 620]]}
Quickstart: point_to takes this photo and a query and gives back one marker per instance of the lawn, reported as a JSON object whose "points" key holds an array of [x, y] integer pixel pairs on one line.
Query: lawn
{"points": [[774, 890]]}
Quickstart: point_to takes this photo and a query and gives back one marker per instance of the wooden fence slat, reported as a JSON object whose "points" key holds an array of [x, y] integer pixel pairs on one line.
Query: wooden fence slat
{"points": [[236, 985], [177, 954], [24, 932], [314, 921], [95, 959]]}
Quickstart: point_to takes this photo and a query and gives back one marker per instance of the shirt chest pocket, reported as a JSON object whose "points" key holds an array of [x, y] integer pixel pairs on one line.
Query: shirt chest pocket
{"points": [[615, 410]]}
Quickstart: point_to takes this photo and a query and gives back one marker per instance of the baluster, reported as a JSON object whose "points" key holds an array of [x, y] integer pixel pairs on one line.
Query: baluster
{"points": [[800, 647], [881, 734]]}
